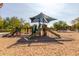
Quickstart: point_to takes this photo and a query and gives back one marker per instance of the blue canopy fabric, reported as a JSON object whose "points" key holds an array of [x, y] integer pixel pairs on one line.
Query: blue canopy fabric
{"points": [[42, 18]]}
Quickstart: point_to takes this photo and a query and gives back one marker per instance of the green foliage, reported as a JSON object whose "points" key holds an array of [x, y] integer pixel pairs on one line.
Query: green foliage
{"points": [[1, 23], [14, 22], [26, 25], [60, 25], [75, 23], [8, 24]]}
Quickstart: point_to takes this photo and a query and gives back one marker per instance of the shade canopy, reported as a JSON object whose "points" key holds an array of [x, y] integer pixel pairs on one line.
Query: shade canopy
{"points": [[42, 18]]}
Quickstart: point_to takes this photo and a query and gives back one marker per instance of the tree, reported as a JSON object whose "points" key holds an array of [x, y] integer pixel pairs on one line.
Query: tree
{"points": [[1, 22], [75, 24], [14, 22], [22, 21], [26, 26], [6, 23], [10, 23], [60, 25]]}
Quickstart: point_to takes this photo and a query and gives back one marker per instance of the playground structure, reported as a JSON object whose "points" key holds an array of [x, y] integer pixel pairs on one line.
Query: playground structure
{"points": [[39, 32], [42, 28]]}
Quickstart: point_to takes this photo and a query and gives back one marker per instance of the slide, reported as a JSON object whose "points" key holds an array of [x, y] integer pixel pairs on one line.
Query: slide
{"points": [[53, 33]]}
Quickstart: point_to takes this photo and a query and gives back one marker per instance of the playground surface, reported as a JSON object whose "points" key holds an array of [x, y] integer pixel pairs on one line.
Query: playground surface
{"points": [[69, 47]]}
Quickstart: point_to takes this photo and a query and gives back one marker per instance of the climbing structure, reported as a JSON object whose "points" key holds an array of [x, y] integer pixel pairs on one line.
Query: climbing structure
{"points": [[42, 18]]}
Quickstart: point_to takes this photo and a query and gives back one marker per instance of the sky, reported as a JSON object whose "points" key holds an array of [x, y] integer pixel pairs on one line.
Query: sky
{"points": [[61, 11]]}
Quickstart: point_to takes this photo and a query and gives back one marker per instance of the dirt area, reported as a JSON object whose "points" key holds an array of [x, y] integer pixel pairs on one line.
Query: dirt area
{"points": [[69, 46]]}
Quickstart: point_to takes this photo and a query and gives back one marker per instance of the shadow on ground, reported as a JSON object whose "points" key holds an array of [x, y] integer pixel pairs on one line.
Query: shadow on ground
{"points": [[43, 39]]}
